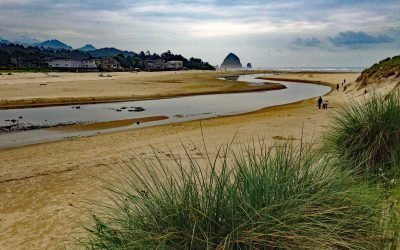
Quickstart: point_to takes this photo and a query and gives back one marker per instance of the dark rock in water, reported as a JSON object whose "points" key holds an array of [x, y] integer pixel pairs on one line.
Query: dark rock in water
{"points": [[136, 109], [20, 117], [118, 110], [231, 61], [248, 66], [139, 109]]}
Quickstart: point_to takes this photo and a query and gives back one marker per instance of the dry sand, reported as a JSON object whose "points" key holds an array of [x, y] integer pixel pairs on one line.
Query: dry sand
{"points": [[43, 186], [43, 89]]}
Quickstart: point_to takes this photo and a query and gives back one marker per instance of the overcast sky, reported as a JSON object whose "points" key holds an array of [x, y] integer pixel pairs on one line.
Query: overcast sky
{"points": [[266, 33]]}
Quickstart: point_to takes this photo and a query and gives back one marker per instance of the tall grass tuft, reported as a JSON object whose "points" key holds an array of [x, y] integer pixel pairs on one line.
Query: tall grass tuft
{"points": [[257, 197], [367, 134]]}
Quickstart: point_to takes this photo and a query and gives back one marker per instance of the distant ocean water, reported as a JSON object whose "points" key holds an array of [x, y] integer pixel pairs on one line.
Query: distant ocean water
{"points": [[321, 69]]}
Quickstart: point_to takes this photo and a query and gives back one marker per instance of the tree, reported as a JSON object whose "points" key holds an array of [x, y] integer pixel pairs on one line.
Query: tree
{"points": [[4, 59]]}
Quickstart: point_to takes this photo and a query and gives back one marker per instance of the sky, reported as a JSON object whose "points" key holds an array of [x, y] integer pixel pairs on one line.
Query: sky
{"points": [[293, 33]]}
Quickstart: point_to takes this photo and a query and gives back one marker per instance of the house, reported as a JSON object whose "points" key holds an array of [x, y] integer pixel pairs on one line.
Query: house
{"points": [[174, 65], [154, 65], [159, 64], [73, 64], [108, 64]]}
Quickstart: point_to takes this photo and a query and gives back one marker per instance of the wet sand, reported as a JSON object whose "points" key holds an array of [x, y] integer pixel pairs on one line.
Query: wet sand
{"points": [[43, 186], [109, 124]]}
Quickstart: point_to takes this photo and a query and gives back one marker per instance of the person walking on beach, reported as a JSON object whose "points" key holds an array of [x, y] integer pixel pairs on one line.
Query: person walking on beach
{"points": [[325, 104], [337, 87], [319, 102]]}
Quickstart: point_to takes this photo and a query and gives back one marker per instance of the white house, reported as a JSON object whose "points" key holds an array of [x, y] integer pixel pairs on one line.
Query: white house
{"points": [[72, 64]]}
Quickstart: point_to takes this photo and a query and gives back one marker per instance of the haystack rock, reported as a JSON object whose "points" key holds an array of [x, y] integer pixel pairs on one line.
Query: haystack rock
{"points": [[248, 66], [231, 61]]}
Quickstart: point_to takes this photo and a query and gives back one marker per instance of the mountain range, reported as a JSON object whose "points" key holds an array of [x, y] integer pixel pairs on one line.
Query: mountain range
{"points": [[26, 41], [4, 41], [87, 48], [53, 44], [59, 45]]}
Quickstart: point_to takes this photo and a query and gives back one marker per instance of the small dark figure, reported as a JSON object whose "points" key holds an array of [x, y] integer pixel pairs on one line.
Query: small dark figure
{"points": [[319, 102], [344, 81], [325, 105], [337, 87], [365, 91]]}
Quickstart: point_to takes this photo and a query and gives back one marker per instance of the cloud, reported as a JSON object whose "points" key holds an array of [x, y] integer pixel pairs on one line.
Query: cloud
{"points": [[308, 42], [349, 40], [267, 32], [356, 39]]}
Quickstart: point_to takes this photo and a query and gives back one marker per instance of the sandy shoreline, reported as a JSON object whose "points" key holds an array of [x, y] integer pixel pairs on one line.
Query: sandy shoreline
{"points": [[43, 185], [109, 124], [24, 90]]}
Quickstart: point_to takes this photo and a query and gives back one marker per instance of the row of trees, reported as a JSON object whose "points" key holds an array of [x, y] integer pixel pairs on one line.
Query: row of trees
{"points": [[138, 60], [36, 57]]}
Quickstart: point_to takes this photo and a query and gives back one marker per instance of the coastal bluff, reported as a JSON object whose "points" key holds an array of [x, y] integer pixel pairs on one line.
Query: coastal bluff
{"points": [[385, 71]]}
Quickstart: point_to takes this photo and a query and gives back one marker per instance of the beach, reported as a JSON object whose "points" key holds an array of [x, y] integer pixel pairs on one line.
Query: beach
{"points": [[20, 90], [45, 186]]}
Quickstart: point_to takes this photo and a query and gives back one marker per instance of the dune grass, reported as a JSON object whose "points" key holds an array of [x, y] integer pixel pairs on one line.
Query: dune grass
{"points": [[367, 135], [257, 197]]}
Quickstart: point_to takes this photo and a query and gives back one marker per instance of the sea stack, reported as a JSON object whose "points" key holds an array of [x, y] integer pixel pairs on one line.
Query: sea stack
{"points": [[248, 66], [231, 61]]}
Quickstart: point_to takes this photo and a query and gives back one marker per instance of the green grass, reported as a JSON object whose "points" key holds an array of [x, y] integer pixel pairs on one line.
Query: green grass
{"points": [[366, 134], [390, 61], [257, 197]]}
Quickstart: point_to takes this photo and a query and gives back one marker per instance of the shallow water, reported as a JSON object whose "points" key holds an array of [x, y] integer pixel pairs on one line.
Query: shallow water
{"points": [[177, 109]]}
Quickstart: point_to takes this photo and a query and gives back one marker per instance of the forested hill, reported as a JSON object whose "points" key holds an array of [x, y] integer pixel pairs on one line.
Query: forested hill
{"points": [[13, 55]]}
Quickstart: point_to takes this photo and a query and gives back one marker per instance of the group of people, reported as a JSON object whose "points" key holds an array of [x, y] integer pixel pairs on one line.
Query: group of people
{"points": [[343, 83], [323, 103]]}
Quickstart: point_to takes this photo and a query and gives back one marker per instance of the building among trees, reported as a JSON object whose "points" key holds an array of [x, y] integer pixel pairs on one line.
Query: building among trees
{"points": [[73, 64]]}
